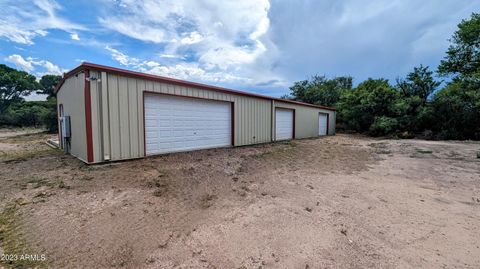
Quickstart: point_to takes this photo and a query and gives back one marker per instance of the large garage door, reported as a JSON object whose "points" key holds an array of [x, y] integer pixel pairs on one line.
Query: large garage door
{"points": [[283, 124], [180, 124], [322, 124]]}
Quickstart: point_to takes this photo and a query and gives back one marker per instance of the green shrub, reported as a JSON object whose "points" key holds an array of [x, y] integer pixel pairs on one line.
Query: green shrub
{"points": [[383, 126], [38, 114]]}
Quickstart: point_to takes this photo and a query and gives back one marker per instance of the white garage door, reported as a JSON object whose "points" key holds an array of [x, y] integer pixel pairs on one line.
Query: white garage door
{"points": [[283, 124], [175, 124], [322, 124]]}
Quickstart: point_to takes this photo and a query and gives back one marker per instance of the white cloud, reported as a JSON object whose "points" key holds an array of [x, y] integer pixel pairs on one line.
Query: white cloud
{"points": [[29, 65], [151, 64], [122, 58], [36, 97], [171, 56], [21, 21], [182, 70], [191, 38], [51, 68], [19, 62], [273, 43], [222, 36], [74, 36], [191, 71]]}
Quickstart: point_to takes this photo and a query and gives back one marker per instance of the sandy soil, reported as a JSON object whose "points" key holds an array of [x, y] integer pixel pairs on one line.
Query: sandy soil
{"points": [[336, 202], [7, 133]]}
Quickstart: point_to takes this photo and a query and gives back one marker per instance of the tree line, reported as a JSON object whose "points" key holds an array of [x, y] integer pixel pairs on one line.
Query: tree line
{"points": [[15, 111], [416, 105]]}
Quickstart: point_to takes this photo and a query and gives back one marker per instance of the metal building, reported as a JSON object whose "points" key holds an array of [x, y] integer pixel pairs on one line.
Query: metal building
{"points": [[109, 114]]}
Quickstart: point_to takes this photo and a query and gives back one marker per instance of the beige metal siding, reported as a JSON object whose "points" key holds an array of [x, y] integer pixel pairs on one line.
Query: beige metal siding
{"points": [[252, 116], [306, 119], [332, 122], [117, 123], [72, 97], [104, 119], [96, 100]]}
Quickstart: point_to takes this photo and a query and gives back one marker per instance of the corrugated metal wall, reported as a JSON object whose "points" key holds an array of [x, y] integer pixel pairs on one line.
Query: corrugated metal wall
{"points": [[306, 119], [123, 136], [95, 93], [72, 97]]}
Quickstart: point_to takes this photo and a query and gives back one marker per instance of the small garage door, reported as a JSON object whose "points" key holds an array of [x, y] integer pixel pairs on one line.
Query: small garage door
{"points": [[322, 124], [175, 124], [283, 124]]}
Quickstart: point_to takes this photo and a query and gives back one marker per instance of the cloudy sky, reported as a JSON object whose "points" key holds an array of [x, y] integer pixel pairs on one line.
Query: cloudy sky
{"points": [[254, 45]]}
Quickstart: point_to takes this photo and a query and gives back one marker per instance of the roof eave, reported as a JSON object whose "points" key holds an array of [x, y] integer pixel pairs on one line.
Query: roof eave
{"points": [[70, 73], [87, 65]]}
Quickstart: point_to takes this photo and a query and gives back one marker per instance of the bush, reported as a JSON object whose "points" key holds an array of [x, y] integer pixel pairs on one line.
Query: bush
{"points": [[383, 126], [38, 114], [406, 135], [360, 108], [50, 122], [457, 111]]}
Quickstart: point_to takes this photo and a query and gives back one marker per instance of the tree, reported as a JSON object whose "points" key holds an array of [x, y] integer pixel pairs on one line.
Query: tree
{"points": [[48, 83], [372, 101], [49, 118], [457, 106], [419, 82], [320, 90], [457, 111], [413, 108], [14, 85], [463, 55]]}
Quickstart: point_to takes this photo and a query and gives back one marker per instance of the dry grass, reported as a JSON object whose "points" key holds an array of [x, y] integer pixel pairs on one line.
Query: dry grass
{"points": [[18, 156], [21, 146], [12, 242]]}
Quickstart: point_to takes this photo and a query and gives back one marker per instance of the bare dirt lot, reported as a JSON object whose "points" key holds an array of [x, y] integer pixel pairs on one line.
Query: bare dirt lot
{"points": [[336, 202]]}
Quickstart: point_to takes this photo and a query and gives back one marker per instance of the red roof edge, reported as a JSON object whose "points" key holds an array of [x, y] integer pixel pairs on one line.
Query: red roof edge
{"points": [[129, 73]]}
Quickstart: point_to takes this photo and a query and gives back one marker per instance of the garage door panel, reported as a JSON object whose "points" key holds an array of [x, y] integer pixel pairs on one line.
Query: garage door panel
{"points": [[181, 123], [322, 124], [283, 124]]}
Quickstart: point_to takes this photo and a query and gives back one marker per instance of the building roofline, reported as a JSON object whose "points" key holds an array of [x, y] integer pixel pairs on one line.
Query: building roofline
{"points": [[129, 73]]}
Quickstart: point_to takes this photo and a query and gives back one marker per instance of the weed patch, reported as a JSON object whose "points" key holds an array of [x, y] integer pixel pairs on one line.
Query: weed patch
{"points": [[424, 151], [39, 182], [12, 242], [264, 154], [19, 156], [380, 145], [207, 200], [160, 185], [22, 138]]}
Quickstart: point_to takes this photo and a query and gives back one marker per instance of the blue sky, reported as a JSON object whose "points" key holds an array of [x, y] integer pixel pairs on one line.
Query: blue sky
{"points": [[253, 45]]}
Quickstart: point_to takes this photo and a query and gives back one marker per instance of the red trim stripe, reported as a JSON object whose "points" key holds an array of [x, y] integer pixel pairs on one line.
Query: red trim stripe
{"points": [[144, 132], [129, 73], [233, 123], [88, 117]]}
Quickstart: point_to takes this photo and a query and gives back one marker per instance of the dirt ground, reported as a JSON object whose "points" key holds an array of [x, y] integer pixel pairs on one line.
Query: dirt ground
{"points": [[343, 201]]}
